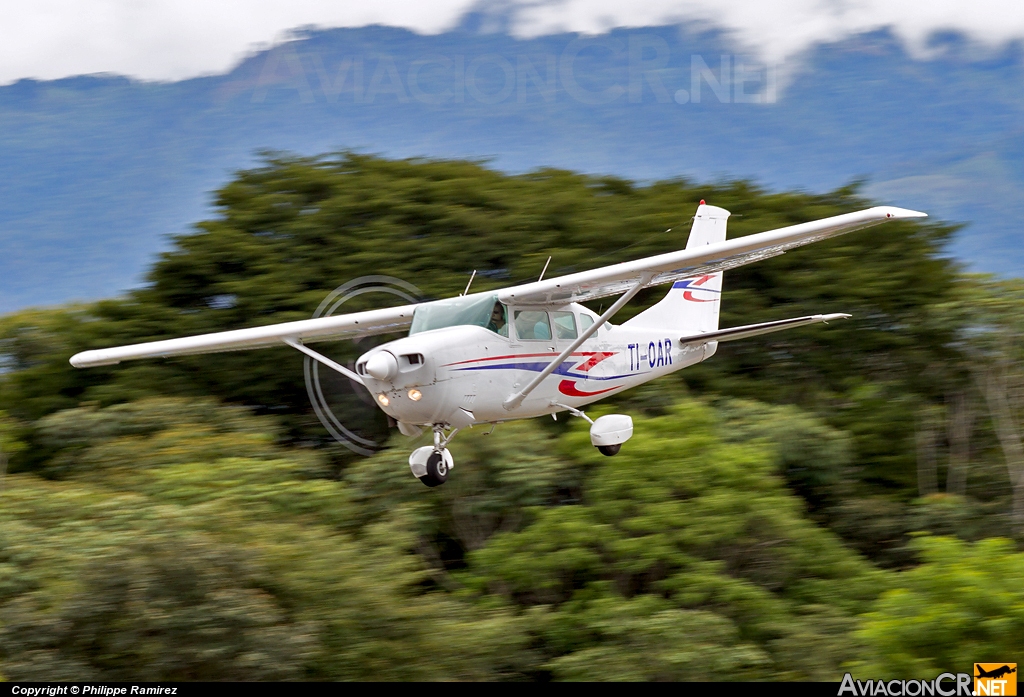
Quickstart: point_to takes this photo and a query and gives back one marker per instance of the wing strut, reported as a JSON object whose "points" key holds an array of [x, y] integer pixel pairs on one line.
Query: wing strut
{"points": [[320, 358], [514, 400]]}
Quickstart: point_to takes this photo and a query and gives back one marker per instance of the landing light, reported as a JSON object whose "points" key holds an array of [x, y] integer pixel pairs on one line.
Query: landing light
{"points": [[415, 395], [383, 399]]}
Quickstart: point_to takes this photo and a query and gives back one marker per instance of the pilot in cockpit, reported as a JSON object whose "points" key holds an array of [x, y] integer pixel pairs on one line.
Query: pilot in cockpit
{"points": [[498, 323]]}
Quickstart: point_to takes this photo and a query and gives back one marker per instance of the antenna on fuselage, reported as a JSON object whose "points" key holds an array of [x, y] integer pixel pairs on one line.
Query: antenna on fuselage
{"points": [[544, 270], [470, 282]]}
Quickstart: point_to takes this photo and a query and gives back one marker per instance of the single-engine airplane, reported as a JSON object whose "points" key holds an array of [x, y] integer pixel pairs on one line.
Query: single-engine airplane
{"points": [[533, 349]]}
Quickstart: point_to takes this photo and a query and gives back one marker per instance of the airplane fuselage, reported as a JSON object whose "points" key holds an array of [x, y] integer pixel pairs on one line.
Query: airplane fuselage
{"points": [[463, 374]]}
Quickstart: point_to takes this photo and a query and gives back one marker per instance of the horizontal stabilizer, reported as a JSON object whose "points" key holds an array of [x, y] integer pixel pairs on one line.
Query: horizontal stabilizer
{"points": [[750, 330]]}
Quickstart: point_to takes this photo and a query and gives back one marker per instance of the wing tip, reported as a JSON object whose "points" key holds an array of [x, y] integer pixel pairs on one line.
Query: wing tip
{"points": [[91, 359], [892, 212]]}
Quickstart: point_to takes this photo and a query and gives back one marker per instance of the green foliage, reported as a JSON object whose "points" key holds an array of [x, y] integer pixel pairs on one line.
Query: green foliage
{"points": [[158, 557], [174, 607], [151, 433], [692, 524], [9, 442], [954, 516], [291, 230], [964, 604], [152, 533], [213, 568], [814, 458], [645, 639], [503, 477]]}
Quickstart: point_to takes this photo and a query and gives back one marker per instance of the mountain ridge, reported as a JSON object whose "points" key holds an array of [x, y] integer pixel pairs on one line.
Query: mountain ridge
{"points": [[96, 172]]}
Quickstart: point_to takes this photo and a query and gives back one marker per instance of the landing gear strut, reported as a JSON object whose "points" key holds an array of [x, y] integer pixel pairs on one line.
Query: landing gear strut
{"points": [[608, 433]]}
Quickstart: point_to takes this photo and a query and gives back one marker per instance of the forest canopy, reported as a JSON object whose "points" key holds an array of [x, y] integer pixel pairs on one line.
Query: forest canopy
{"points": [[778, 515]]}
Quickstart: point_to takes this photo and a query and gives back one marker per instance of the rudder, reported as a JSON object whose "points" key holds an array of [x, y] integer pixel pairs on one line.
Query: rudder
{"points": [[692, 305]]}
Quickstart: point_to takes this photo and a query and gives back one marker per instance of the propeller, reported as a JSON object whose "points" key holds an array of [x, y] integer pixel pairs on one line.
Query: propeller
{"points": [[343, 406]]}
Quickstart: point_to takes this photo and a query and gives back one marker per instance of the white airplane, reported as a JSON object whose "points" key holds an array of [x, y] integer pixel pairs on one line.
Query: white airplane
{"points": [[533, 349]]}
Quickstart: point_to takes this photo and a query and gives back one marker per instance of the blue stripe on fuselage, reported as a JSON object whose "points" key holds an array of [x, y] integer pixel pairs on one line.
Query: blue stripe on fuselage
{"points": [[564, 369]]}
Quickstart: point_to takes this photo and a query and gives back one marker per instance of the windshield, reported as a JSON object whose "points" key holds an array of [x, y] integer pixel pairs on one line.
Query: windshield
{"points": [[476, 311]]}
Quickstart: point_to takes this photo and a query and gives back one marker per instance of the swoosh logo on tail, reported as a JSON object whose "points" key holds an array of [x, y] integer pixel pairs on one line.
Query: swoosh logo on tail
{"points": [[688, 294]]}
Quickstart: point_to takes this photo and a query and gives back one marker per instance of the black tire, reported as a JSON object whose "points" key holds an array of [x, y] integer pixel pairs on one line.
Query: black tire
{"points": [[610, 450], [437, 471]]}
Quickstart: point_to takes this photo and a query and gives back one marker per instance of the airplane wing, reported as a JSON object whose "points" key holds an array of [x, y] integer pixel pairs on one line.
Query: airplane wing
{"points": [[675, 266], [324, 328], [586, 285]]}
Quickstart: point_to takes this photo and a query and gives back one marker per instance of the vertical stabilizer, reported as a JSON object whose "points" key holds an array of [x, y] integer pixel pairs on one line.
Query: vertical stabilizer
{"points": [[692, 305]]}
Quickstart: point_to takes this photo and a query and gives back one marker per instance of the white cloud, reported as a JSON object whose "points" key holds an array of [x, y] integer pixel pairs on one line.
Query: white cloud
{"points": [[174, 39], [165, 40], [782, 28]]}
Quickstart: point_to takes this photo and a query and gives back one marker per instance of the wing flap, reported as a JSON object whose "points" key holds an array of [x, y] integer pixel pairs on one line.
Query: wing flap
{"points": [[321, 329], [687, 263]]}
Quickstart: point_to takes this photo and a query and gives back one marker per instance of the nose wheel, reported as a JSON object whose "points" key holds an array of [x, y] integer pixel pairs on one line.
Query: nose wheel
{"points": [[430, 466], [437, 470]]}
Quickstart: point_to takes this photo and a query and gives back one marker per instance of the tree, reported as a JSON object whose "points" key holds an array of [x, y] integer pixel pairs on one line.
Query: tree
{"points": [[287, 232], [996, 349], [962, 605], [615, 562], [168, 607], [168, 558], [9, 443]]}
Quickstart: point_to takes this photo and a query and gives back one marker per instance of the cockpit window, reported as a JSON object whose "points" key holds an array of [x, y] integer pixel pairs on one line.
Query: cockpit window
{"points": [[483, 311], [565, 325], [532, 325]]}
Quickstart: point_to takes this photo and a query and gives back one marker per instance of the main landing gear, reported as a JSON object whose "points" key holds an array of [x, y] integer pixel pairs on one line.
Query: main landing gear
{"points": [[608, 433], [431, 464]]}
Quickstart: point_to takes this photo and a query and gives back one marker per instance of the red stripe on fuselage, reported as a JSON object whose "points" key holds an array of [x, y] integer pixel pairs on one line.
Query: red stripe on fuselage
{"points": [[595, 358], [568, 387]]}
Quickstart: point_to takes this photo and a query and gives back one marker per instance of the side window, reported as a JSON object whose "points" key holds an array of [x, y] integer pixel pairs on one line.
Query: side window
{"points": [[565, 325], [532, 325], [585, 322]]}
